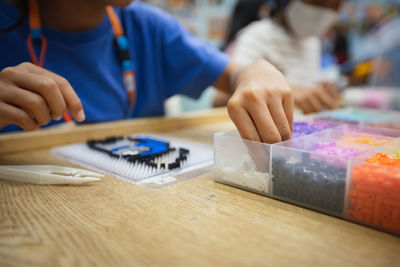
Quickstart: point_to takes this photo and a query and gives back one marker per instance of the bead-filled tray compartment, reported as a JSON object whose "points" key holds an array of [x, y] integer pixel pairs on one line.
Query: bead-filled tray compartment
{"points": [[313, 170], [246, 164], [241, 163], [373, 190], [362, 117]]}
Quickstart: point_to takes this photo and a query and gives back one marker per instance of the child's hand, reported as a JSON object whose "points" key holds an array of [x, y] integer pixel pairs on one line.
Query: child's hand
{"points": [[262, 104], [32, 96], [316, 98]]}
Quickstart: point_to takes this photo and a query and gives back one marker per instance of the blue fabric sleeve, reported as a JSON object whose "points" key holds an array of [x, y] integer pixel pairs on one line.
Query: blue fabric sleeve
{"points": [[190, 65]]}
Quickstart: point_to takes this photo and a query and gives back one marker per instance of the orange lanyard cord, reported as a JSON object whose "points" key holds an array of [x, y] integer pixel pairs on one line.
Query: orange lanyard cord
{"points": [[115, 22], [32, 52], [36, 35], [122, 42]]}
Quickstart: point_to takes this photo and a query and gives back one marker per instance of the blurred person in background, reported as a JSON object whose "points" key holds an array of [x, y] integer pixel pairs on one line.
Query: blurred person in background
{"points": [[375, 42], [289, 38], [373, 69], [244, 13]]}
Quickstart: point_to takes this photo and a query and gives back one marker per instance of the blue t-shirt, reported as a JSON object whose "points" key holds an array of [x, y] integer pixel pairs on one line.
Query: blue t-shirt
{"points": [[166, 58]]}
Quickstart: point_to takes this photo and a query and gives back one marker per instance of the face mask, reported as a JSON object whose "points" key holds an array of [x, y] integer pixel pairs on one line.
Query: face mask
{"points": [[308, 20]]}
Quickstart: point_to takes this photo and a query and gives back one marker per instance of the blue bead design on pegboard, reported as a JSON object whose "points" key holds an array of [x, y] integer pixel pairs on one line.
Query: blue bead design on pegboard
{"points": [[140, 151]]}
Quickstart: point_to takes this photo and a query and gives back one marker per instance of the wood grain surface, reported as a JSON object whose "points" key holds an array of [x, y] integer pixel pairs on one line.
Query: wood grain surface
{"points": [[194, 223]]}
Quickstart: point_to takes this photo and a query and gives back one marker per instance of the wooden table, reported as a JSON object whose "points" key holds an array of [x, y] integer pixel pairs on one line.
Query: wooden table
{"points": [[193, 223]]}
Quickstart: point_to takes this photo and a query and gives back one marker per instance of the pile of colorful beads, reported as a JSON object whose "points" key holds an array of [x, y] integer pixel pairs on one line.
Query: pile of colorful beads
{"points": [[365, 140], [333, 149], [375, 192], [395, 155], [384, 159], [306, 128]]}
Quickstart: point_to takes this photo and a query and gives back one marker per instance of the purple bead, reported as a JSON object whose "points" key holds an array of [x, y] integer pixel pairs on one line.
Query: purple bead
{"points": [[305, 128]]}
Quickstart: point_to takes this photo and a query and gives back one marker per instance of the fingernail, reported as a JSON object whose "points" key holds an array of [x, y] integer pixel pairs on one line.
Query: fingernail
{"points": [[80, 116], [59, 118]]}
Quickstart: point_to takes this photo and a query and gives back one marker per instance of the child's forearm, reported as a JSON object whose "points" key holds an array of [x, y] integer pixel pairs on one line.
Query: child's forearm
{"points": [[227, 81]]}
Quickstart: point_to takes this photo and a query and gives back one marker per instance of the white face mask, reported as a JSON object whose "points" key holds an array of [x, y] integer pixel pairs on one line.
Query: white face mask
{"points": [[308, 20]]}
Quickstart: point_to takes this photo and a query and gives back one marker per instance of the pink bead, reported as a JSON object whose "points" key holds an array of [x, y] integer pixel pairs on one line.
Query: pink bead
{"points": [[331, 148]]}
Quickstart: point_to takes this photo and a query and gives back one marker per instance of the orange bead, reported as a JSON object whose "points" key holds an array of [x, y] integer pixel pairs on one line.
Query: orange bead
{"points": [[365, 140], [375, 192]]}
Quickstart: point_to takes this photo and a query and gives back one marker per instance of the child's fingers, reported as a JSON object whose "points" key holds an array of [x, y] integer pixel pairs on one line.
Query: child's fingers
{"points": [[243, 122], [280, 119], [326, 99], [30, 102], [288, 107], [17, 116], [264, 122], [248, 131], [314, 102], [332, 89], [72, 101], [45, 87], [305, 105]]}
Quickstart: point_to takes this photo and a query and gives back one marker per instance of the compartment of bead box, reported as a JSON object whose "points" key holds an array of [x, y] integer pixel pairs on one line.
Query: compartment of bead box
{"points": [[362, 117], [311, 171], [245, 164], [241, 163], [373, 190]]}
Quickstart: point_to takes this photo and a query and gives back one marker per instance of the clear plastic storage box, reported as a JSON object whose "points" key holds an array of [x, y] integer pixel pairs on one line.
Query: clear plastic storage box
{"points": [[242, 163], [340, 171], [246, 164]]}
